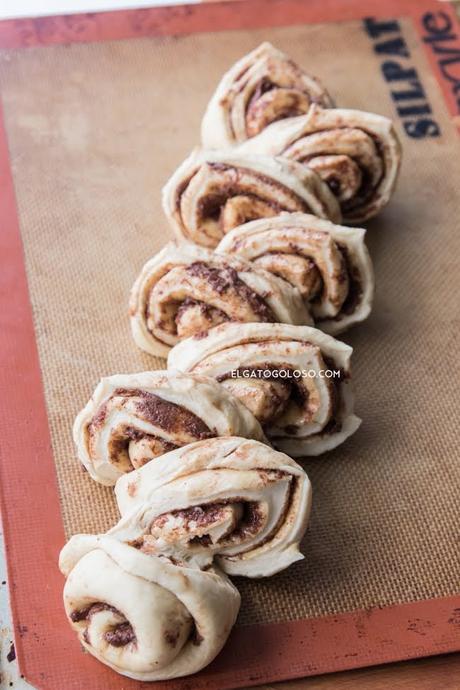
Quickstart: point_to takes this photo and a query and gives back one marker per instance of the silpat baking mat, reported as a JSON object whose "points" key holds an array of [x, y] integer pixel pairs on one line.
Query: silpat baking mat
{"points": [[93, 127]]}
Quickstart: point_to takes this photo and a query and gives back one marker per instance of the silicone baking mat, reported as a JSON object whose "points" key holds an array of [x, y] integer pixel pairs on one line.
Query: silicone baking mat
{"points": [[98, 111]]}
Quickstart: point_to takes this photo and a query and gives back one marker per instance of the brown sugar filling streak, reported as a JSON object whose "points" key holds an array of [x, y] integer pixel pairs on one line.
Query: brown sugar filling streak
{"points": [[174, 419]]}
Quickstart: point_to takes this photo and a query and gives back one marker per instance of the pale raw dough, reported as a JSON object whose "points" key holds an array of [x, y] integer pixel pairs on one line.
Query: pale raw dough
{"points": [[127, 403], [263, 86], [212, 192], [151, 619], [185, 289], [329, 263], [307, 416], [231, 499], [357, 153]]}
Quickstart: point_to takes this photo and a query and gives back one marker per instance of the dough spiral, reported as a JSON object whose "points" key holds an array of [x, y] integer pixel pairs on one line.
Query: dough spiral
{"points": [[229, 499], [262, 87], [142, 615], [280, 372], [134, 418], [213, 192], [329, 264], [184, 290], [357, 154]]}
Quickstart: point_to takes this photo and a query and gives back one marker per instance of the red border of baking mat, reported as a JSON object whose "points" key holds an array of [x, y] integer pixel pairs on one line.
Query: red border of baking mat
{"points": [[48, 652]]}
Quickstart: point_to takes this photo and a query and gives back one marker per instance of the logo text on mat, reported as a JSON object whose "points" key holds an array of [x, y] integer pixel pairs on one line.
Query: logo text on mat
{"points": [[443, 38], [407, 91]]}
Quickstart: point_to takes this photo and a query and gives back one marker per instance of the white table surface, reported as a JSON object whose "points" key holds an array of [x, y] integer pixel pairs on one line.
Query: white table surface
{"points": [[36, 8], [9, 673]]}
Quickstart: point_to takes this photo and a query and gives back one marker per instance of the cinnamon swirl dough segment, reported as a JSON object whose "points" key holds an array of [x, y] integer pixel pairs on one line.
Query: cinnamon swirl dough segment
{"points": [[212, 192], [185, 290], [134, 418], [279, 372], [328, 263], [261, 88], [357, 154], [142, 615], [234, 500]]}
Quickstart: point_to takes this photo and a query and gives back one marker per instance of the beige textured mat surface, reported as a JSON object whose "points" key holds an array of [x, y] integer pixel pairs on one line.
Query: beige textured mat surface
{"points": [[94, 132]]}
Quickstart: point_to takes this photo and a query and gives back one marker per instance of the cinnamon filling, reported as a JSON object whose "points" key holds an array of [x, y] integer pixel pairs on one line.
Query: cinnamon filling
{"points": [[223, 196], [341, 173], [270, 103], [268, 397], [368, 185], [199, 515], [349, 178], [85, 614], [226, 280], [201, 525], [118, 636], [300, 271], [121, 635], [231, 207], [194, 317], [192, 298], [224, 523], [129, 446], [355, 285]]}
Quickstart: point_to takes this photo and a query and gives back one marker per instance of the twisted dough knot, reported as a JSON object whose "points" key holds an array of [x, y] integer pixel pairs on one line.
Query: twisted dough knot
{"points": [[142, 615], [184, 290], [211, 193], [357, 154], [144, 598], [263, 87], [232, 499], [132, 419], [294, 379], [328, 264]]}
